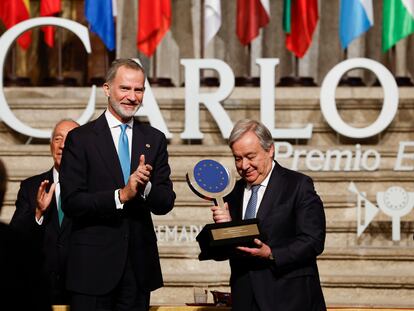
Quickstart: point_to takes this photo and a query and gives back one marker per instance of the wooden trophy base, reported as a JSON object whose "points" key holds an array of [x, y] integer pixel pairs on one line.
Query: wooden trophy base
{"points": [[219, 241]]}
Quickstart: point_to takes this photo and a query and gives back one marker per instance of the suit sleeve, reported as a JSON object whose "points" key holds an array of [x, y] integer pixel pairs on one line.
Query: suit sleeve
{"points": [[161, 198], [77, 200], [310, 228], [23, 219]]}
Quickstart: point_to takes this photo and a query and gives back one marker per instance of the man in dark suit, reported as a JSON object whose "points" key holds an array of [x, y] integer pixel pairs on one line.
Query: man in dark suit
{"points": [[115, 173], [23, 283], [39, 216], [280, 273]]}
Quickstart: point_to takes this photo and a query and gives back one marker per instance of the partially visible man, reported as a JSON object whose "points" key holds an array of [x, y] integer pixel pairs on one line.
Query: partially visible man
{"points": [[280, 273], [115, 173], [23, 283], [39, 215]]}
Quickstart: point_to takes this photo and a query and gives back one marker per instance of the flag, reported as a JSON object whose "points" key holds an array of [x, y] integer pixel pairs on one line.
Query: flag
{"points": [[49, 8], [212, 19], [101, 20], [398, 21], [356, 17], [13, 12], [251, 16], [154, 20], [299, 21]]}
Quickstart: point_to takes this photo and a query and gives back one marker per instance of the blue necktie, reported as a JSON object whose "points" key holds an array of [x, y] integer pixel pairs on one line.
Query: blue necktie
{"points": [[123, 153], [251, 205]]}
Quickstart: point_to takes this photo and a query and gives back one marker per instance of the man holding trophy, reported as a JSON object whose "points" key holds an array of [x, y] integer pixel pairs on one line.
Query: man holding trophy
{"points": [[280, 271]]}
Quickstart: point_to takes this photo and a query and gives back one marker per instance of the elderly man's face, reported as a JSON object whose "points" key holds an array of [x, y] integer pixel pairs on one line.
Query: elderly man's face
{"points": [[57, 142], [125, 93], [252, 162]]}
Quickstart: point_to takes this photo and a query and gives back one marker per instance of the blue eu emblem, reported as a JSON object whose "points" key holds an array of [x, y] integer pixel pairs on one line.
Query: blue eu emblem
{"points": [[211, 176], [210, 180]]}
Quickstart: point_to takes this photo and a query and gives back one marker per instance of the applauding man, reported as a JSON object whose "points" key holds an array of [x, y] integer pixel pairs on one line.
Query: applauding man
{"points": [[115, 173], [39, 215]]}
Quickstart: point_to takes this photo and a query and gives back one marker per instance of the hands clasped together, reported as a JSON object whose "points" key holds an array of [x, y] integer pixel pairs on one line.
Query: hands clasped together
{"points": [[137, 181]]}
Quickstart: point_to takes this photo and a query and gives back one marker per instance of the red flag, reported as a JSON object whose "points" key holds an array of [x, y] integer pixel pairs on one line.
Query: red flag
{"points": [[13, 12], [49, 8], [304, 17], [251, 16], [154, 20]]}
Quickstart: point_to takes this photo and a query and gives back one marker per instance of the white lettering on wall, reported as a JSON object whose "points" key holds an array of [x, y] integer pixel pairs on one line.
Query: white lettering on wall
{"points": [[329, 160], [399, 165], [150, 109], [267, 103], [7, 39], [328, 104], [211, 100]]}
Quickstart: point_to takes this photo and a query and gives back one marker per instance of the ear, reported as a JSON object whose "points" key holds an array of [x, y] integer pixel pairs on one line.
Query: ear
{"points": [[106, 88], [272, 150]]}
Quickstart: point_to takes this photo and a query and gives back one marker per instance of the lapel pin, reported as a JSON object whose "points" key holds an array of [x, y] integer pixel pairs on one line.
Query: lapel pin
{"points": [[147, 145]]}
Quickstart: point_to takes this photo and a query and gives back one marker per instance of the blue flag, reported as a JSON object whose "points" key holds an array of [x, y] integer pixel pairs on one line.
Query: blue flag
{"points": [[356, 17], [101, 20]]}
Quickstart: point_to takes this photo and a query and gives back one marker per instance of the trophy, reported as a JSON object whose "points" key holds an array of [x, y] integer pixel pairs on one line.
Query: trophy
{"points": [[212, 181]]}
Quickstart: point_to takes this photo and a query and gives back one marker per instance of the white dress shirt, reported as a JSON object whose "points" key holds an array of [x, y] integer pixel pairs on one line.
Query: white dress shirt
{"points": [[114, 126], [248, 192]]}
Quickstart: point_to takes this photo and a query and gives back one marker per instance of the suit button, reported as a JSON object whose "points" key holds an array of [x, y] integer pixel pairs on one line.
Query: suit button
{"points": [[126, 237], [59, 245]]}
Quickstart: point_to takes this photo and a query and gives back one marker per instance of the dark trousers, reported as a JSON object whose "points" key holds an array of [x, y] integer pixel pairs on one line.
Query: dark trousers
{"points": [[126, 296]]}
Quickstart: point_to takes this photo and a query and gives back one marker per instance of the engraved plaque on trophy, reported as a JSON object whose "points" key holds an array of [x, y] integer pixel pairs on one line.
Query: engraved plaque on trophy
{"points": [[212, 181]]}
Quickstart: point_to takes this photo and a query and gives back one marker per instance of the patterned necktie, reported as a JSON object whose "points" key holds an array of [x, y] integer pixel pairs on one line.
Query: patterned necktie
{"points": [[251, 205], [123, 153], [60, 212]]}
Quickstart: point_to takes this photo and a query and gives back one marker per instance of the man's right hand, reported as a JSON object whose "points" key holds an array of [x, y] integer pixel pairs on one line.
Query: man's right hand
{"points": [[137, 181], [44, 198], [221, 214]]}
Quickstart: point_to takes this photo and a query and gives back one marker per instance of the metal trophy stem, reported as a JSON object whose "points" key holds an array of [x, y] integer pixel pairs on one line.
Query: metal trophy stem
{"points": [[212, 181]]}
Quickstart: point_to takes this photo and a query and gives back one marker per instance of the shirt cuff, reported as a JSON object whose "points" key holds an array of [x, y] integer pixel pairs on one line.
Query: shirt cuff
{"points": [[146, 190], [40, 221], [118, 203]]}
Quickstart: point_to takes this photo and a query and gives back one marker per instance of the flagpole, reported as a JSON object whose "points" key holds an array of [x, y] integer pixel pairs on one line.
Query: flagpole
{"points": [[248, 80], [205, 81], [202, 17], [12, 79]]}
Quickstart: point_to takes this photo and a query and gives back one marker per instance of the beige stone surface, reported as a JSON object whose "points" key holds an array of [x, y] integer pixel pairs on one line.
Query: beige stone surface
{"points": [[370, 270]]}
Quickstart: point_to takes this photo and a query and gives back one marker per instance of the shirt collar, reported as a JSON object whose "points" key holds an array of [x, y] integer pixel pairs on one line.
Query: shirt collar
{"points": [[55, 175], [114, 122]]}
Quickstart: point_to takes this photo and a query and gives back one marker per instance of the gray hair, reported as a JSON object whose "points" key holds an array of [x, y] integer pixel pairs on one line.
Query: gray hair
{"points": [[120, 62], [59, 123], [247, 125]]}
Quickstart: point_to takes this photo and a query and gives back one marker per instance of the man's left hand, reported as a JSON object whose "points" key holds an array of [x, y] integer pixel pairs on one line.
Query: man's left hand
{"points": [[262, 250]]}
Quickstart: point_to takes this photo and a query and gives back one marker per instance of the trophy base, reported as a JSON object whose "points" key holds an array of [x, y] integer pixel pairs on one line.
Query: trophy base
{"points": [[219, 241]]}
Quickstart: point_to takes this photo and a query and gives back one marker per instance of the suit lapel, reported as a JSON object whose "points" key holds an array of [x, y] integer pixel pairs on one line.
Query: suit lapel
{"points": [[105, 145], [274, 189], [139, 146]]}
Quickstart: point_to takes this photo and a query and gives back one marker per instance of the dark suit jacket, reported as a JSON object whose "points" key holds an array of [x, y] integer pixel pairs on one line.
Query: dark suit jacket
{"points": [[103, 237], [292, 219], [50, 237], [23, 283]]}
